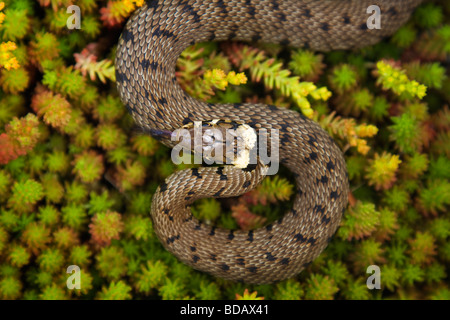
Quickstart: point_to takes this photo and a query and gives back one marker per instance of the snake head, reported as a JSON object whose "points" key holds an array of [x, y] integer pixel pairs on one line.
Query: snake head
{"points": [[220, 141]]}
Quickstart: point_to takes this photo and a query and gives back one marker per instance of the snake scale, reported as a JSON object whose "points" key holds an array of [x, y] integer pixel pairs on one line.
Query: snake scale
{"points": [[147, 52]]}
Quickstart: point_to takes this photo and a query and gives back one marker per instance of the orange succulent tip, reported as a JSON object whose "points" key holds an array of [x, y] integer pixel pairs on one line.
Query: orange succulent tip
{"points": [[132, 4], [7, 59], [248, 296], [352, 199]]}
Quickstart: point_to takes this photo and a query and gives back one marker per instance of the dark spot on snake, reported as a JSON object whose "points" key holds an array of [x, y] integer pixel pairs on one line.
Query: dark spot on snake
{"points": [[346, 19], [212, 36], [306, 45], [392, 11], [189, 218], [313, 156], [269, 227], [213, 231], [252, 123], [130, 109], [151, 3], [223, 177], [172, 239], [191, 192], [195, 173], [256, 37], [300, 192], [318, 208], [218, 192], [282, 17], [160, 33], [250, 236], [323, 179], [225, 267], [189, 9], [307, 13], [240, 261], [270, 257], [199, 226], [250, 167], [272, 107], [220, 170], [284, 126], [166, 211], [127, 35], [231, 235], [299, 238], [162, 101], [284, 261], [154, 65], [119, 77], [221, 4], [213, 257], [163, 187], [325, 26], [285, 42], [363, 26], [170, 218], [333, 195], [251, 9], [187, 198], [312, 241], [286, 139], [232, 34], [145, 64], [195, 258], [330, 166], [252, 269], [275, 5], [158, 114], [294, 212], [280, 221], [325, 219], [246, 184], [312, 140], [193, 249]]}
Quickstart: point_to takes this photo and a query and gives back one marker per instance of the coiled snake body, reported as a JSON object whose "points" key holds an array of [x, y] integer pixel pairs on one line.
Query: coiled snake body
{"points": [[147, 52]]}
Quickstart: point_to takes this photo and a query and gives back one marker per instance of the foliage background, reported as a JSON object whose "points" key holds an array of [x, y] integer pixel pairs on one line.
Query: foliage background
{"points": [[76, 177]]}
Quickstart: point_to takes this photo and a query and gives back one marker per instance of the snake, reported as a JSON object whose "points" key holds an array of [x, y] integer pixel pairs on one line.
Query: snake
{"points": [[148, 48]]}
